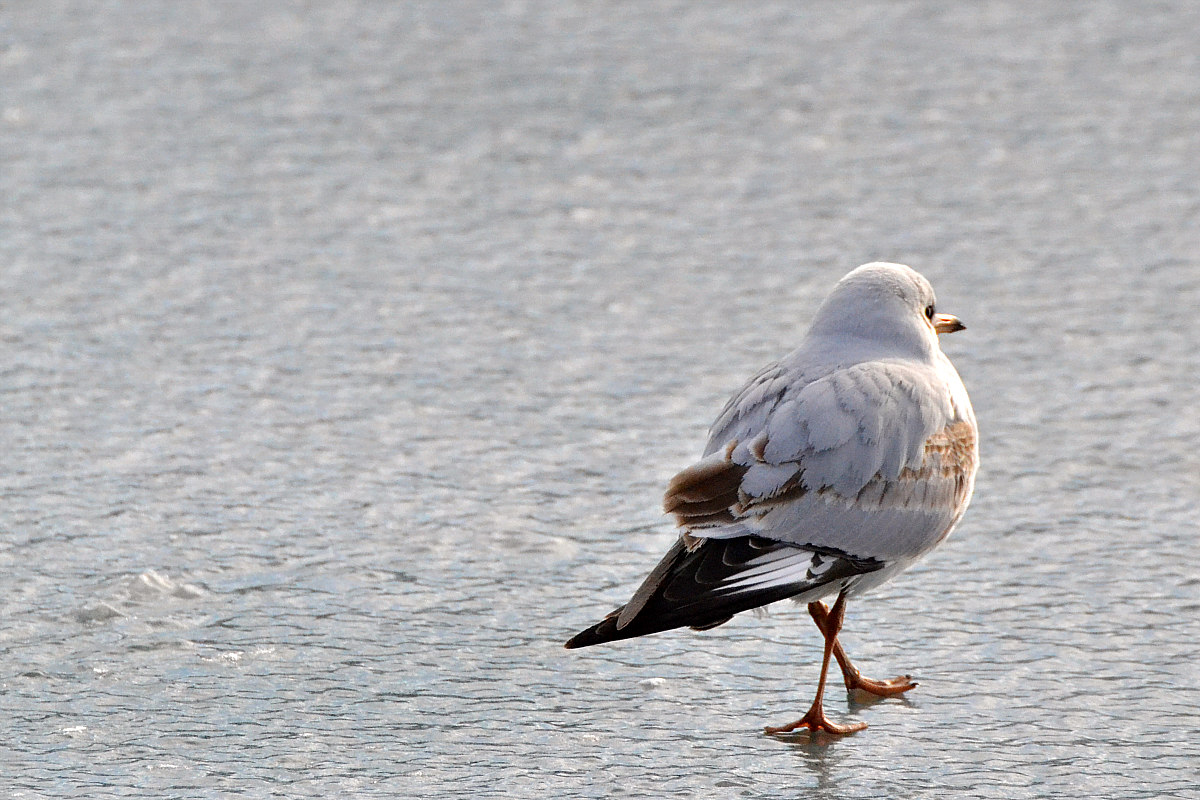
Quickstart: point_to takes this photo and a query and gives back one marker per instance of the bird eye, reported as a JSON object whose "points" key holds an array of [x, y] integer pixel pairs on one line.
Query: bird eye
{"points": [[929, 312]]}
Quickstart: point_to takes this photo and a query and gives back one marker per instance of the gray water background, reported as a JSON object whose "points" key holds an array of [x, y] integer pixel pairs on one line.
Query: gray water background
{"points": [[346, 349]]}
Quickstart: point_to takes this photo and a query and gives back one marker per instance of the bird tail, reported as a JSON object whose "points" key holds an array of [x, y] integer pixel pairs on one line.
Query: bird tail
{"points": [[608, 630], [627, 622], [704, 586]]}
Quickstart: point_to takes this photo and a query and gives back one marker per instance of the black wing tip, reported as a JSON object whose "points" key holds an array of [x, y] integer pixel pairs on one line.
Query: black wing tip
{"points": [[576, 642], [603, 631], [579, 640], [606, 630], [679, 591]]}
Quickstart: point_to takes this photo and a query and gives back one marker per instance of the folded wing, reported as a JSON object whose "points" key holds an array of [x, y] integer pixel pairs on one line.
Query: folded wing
{"points": [[884, 474]]}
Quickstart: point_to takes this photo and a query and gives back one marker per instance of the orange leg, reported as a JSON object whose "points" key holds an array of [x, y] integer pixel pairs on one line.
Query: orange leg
{"points": [[815, 719], [850, 674]]}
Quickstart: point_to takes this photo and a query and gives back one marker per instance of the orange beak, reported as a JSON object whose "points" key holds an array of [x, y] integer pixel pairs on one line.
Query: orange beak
{"points": [[947, 323]]}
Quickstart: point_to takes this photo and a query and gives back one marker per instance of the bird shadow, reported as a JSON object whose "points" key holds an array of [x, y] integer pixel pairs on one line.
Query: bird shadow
{"points": [[811, 742], [820, 753], [858, 698]]}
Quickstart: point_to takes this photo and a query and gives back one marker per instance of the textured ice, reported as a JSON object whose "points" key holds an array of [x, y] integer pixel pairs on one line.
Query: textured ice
{"points": [[383, 326]]}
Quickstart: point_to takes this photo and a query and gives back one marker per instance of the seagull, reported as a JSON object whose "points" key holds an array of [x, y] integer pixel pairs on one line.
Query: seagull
{"points": [[828, 473]]}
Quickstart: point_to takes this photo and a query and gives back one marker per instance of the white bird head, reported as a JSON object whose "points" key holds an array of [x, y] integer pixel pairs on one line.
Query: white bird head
{"points": [[889, 305]]}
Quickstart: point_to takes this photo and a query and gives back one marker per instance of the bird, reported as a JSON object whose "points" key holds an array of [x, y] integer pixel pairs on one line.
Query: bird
{"points": [[828, 473]]}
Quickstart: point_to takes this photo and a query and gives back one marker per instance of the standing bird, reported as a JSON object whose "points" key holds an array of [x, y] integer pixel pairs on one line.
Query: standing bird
{"points": [[827, 473]]}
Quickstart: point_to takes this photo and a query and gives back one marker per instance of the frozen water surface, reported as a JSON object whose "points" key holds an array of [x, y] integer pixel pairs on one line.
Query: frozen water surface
{"points": [[347, 347]]}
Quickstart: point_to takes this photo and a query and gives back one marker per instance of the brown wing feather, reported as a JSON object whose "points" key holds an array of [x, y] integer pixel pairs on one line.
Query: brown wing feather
{"points": [[705, 491], [708, 492]]}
